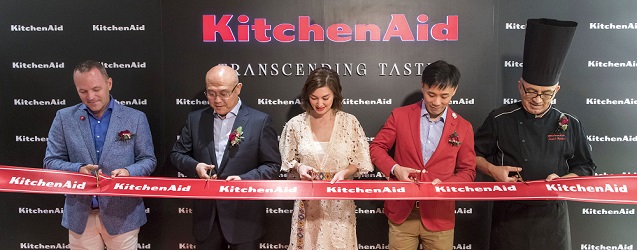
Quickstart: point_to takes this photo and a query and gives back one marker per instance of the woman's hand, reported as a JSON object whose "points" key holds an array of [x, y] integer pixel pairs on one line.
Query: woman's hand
{"points": [[344, 174], [306, 172]]}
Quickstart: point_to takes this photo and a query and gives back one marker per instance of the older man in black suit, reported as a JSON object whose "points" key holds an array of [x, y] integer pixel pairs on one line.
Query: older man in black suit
{"points": [[230, 141]]}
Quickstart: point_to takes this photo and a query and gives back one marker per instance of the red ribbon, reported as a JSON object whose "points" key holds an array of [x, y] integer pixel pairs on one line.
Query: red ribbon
{"points": [[618, 189]]}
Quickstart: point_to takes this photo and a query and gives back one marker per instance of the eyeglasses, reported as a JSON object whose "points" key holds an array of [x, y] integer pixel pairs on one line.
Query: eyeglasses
{"points": [[534, 94], [223, 94]]}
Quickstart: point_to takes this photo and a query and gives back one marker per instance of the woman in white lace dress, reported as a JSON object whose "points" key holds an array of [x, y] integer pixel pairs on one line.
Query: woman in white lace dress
{"points": [[324, 143]]}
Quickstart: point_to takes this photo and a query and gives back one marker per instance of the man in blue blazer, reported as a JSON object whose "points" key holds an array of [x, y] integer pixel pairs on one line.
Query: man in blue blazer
{"points": [[100, 135], [230, 141]]}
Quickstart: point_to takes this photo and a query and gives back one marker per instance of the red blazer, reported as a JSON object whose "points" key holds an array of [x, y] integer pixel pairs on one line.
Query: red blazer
{"points": [[448, 163]]}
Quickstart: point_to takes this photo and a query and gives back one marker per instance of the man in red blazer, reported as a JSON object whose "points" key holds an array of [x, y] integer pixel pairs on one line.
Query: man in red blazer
{"points": [[431, 144]]}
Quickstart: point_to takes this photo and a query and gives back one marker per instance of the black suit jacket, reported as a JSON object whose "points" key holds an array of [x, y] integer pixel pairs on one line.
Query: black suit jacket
{"points": [[257, 157]]}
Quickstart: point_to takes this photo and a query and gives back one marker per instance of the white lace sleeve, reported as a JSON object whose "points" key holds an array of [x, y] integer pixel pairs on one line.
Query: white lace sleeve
{"points": [[288, 146], [359, 155]]}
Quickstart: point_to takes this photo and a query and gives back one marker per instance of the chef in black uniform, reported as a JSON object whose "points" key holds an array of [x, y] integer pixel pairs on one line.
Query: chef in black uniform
{"points": [[533, 140]]}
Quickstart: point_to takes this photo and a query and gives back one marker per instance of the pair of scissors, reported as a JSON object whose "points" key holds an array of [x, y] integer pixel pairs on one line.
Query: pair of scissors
{"points": [[416, 179], [210, 173], [96, 173], [520, 177]]}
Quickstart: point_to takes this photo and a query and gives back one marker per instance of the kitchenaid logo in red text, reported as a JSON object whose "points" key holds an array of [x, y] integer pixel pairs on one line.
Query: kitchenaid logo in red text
{"points": [[224, 28]]}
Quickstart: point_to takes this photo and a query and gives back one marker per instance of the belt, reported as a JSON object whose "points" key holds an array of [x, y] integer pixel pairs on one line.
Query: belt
{"points": [[95, 203]]}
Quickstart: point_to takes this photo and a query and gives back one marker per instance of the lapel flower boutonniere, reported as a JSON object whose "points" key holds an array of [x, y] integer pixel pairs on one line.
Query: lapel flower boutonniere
{"points": [[125, 135], [236, 136], [562, 123], [454, 139]]}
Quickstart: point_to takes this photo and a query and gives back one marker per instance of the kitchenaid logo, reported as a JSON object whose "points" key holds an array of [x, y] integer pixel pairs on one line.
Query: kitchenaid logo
{"points": [[41, 183], [612, 26], [133, 102], [186, 246], [462, 246], [33, 65], [605, 138], [347, 101], [372, 175], [577, 188], [365, 190], [464, 210], [513, 64], [467, 101], [622, 211], [278, 210], [379, 101], [132, 27], [127, 65], [515, 100], [379, 210], [377, 246], [24, 138], [510, 101], [611, 64], [606, 247], [143, 246], [184, 210], [182, 101], [597, 101], [272, 246], [34, 102], [145, 187], [44, 246], [32, 28], [467, 189], [305, 30], [514, 26], [251, 189], [265, 101], [37, 210]]}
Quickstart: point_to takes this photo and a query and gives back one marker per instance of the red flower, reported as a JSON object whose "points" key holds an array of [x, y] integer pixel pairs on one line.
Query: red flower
{"points": [[562, 122], [236, 136], [125, 135], [454, 139]]}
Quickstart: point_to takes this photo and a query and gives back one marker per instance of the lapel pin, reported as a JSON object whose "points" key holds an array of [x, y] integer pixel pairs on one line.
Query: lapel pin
{"points": [[82, 118]]}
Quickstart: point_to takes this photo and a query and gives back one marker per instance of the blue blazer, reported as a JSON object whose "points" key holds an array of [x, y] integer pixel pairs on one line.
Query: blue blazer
{"points": [[70, 145], [255, 158]]}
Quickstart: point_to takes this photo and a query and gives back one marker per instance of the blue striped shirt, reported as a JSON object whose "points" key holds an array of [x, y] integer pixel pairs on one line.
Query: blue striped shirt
{"points": [[430, 132], [222, 129]]}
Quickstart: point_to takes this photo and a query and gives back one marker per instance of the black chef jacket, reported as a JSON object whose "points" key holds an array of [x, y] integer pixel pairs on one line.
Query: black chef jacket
{"points": [[510, 136]]}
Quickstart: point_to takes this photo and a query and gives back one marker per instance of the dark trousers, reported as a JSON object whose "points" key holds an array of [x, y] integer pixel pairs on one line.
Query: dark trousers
{"points": [[530, 225], [217, 241]]}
